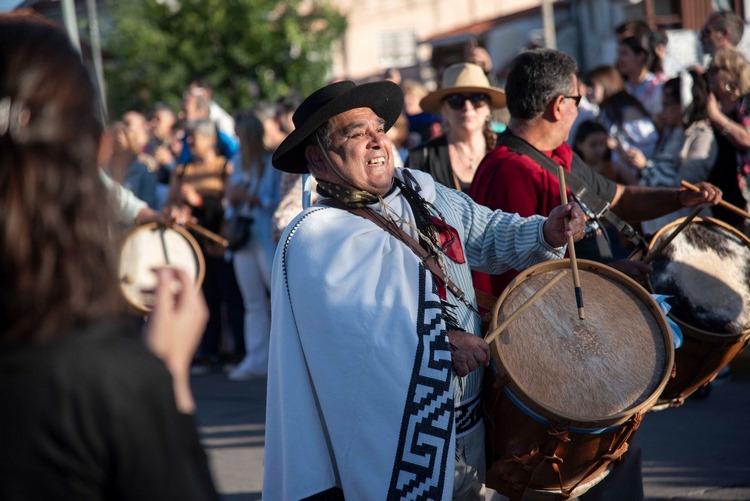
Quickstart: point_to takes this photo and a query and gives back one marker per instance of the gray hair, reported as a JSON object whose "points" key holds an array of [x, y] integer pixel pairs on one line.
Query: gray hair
{"points": [[265, 110], [730, 22], [204, 127], [320, 138], [535, 78], [203, 106], [324, 135]]}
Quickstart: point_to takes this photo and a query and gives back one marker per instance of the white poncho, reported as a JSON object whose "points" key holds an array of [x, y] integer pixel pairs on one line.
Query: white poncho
{"points": [[360, 391]]}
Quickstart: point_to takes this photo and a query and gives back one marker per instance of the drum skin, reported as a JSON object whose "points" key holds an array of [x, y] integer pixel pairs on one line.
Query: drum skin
{"points": [[568, 394], [710, 260], [153, 245]]}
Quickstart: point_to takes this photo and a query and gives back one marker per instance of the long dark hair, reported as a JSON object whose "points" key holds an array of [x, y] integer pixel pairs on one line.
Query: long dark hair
{"points": [[641, 45], [698, 108], [250, 132], [56, 257]]}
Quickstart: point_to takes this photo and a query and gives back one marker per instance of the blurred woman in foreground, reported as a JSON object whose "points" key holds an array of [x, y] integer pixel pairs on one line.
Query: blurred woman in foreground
{"points": [[88, 411]]}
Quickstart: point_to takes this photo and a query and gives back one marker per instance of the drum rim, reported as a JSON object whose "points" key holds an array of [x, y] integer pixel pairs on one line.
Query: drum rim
{"points": [[688, 329], [578, 421], [200, 259]]}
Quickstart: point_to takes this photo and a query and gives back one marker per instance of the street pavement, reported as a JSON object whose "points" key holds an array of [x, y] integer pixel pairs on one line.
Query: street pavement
{"points": [[699, 451]]}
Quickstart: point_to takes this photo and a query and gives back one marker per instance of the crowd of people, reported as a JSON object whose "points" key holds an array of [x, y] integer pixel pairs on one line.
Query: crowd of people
{"points": [[201, 163], [357, 301]]}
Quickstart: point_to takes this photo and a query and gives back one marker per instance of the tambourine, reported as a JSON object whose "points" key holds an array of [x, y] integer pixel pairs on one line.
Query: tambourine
{"points": [[154, 245]]}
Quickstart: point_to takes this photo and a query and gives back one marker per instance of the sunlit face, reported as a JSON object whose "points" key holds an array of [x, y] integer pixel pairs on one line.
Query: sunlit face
{"points": [[593, 148], [721, 85], [595, 93], [470, 116], [411, 102], [671, 112], [360, 152], [712, 39], [569, 106], [628, 62], [137, 128], [189, 111], [162, 123], [200, 143]]}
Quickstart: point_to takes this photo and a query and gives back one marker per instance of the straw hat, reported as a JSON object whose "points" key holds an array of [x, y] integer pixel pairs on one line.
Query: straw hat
{"points": [[385, 98], [463, 78]]}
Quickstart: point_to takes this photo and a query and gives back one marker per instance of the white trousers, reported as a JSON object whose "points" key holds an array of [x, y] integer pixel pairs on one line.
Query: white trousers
{"points": [[252, 267], [468, 484]]}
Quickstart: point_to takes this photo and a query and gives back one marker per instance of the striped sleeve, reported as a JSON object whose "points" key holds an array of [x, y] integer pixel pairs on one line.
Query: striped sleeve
{"points": [[494, 241]]}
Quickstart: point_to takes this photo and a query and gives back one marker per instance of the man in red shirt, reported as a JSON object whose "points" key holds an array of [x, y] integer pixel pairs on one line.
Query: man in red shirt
{"points": [[542, 96]]}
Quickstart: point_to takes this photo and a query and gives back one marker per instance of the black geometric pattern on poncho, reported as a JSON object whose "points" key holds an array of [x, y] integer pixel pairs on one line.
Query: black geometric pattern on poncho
{"points": [[419, 469], [467, 416]]}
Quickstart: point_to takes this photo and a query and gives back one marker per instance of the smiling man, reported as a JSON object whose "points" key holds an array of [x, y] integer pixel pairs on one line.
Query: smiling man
{"points": [[373, 391]]}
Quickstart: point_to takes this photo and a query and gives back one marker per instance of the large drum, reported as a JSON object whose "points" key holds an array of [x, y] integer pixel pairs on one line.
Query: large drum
{"points": [[152, 245], [706, 268], [568, 394]]}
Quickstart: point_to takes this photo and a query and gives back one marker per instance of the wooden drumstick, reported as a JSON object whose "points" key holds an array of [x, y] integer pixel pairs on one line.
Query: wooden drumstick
{"points": [[207, 233], [571, 248], [500, 328], [663, 244], [723, 203]]}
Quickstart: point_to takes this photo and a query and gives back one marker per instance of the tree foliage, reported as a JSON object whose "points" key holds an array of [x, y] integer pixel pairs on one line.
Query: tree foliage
{"points": [[248, 49]]}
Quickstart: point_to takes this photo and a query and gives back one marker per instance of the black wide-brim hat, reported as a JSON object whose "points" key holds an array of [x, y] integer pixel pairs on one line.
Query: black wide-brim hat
{"points": [[385, 98]]}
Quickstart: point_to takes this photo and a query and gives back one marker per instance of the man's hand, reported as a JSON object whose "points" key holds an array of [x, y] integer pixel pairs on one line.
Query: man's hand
{"points": [[556, 232], [163, 156], [149, 215], [181, 214], [635, 157], [191, 195], [469, 352], [708, 194], [635, 269]]}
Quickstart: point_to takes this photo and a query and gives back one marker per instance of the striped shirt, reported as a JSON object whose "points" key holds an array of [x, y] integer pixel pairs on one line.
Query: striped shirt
{"points": [[494, 242]]}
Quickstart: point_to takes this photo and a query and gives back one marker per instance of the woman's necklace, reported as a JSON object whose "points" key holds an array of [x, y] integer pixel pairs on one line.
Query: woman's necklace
{"points": [[464, 151]]}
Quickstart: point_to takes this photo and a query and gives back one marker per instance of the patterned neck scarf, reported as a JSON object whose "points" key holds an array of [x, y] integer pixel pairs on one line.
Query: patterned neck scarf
{"points": [[350, 196]]}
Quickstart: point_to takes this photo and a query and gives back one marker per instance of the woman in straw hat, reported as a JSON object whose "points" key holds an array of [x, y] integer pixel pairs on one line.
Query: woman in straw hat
{"points": [[465, 102]]}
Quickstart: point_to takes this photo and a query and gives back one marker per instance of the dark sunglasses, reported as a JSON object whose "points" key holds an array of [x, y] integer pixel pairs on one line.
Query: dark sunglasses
{"points": [[456, 101], [577, 99]]}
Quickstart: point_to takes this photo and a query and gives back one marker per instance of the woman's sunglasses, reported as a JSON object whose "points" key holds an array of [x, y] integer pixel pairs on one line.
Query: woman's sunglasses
{"points": [[456, 101]]}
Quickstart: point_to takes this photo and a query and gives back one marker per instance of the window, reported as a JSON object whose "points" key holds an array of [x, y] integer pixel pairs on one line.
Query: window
{"points": [[685, 14], [398, 49]]}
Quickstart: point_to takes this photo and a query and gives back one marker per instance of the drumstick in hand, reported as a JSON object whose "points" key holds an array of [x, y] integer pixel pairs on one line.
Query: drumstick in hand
{"points": [[207, 233], [664, 242], [500, 328], [571, 248], [723, 203]]}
